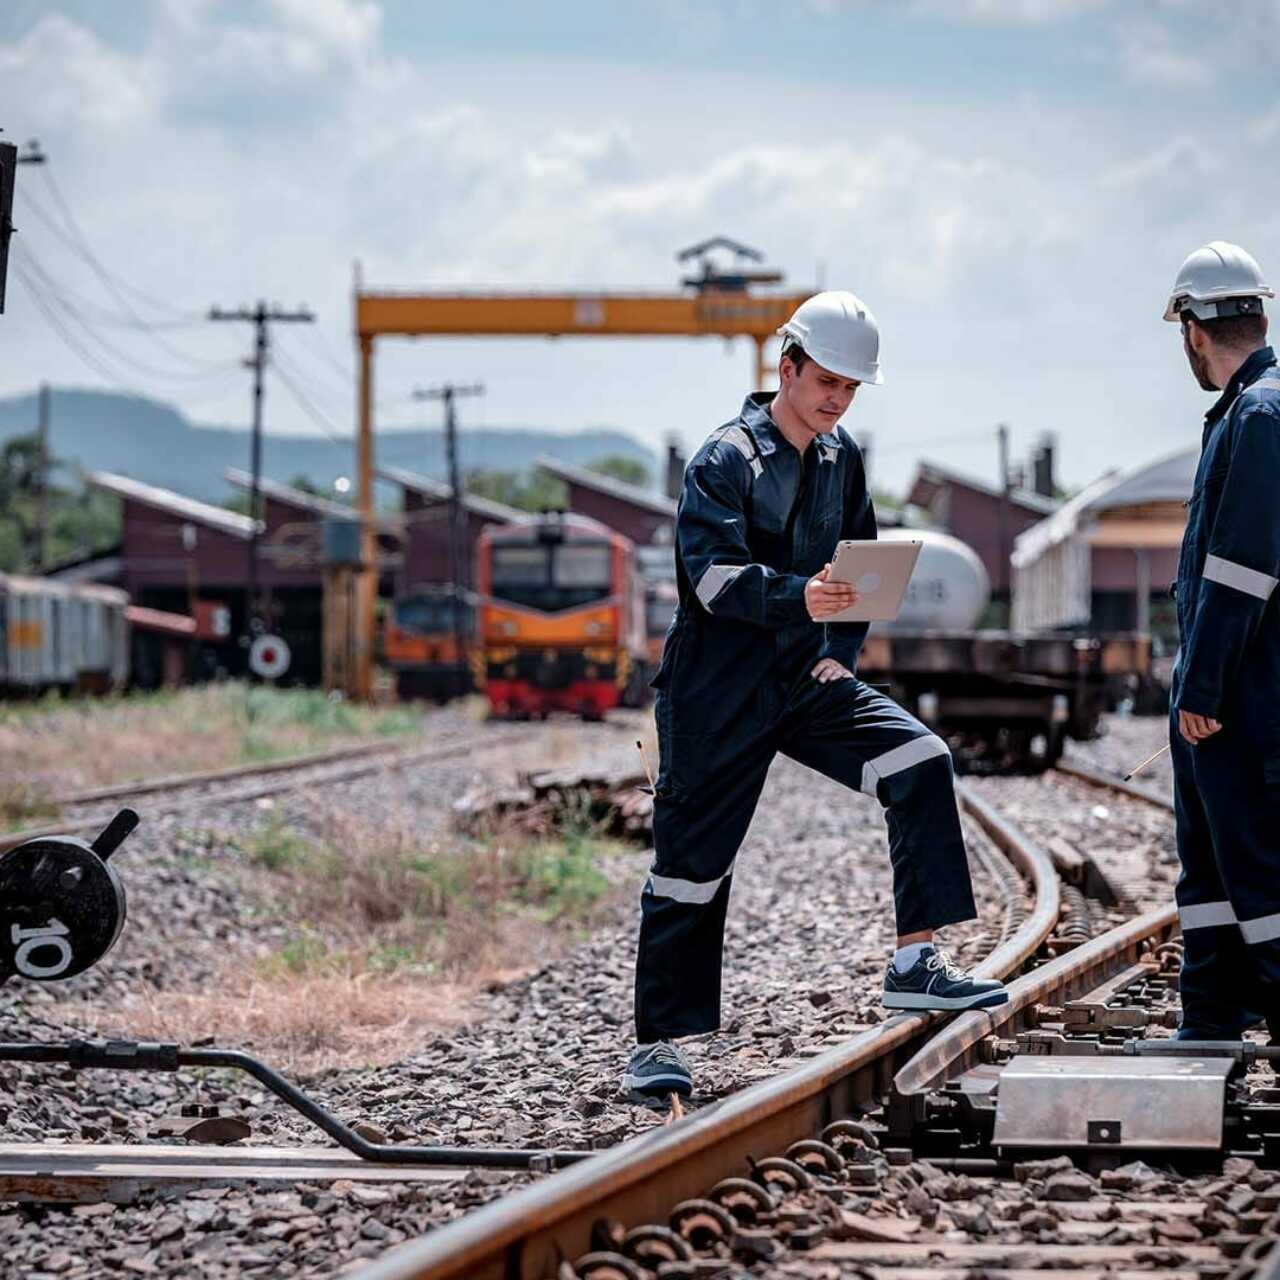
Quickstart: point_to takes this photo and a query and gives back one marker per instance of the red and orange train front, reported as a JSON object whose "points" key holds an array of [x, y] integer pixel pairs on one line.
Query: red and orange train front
{"points": [[561, 624]]}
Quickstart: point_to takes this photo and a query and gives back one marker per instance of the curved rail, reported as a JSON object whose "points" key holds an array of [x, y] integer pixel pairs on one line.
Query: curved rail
{"points": [[1097, 778], [525, 1235], [1062, 979]]}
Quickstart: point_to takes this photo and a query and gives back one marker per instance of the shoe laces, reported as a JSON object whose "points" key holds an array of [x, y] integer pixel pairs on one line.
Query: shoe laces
{"points": [[667, 1055], [939, 961]]}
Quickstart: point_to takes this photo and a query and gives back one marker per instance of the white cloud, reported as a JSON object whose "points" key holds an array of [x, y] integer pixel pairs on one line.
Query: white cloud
{"points": [[225, 161]]}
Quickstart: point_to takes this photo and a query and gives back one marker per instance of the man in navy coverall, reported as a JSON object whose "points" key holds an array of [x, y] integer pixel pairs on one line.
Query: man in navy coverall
{"points": [[750, 668], [1225, 727]]}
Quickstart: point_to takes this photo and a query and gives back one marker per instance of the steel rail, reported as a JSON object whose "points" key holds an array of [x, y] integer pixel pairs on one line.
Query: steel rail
{"points": [[526, 1235], [1069, 976], [1096, 777], [176, 781], [91, 825]]}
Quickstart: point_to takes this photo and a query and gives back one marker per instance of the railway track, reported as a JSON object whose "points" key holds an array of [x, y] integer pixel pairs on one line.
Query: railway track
{"points": [[881, 1157], [85, 814]]}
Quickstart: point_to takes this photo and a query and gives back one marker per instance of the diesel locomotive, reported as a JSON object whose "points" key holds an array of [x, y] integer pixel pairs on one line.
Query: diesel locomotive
{"points": [[560, 618]]}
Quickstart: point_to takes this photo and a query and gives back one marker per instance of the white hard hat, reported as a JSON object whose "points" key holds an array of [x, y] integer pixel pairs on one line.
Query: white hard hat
{"points": [[837, 330], [1220, 279]]}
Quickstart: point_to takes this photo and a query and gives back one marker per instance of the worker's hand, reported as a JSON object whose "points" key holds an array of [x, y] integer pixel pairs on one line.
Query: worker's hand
{"points": [[823, 598], [1196, 728], [829, 669]]}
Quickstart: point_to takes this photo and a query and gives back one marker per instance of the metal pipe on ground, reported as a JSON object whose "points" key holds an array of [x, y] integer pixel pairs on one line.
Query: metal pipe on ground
{"points": [[127, 1055]]}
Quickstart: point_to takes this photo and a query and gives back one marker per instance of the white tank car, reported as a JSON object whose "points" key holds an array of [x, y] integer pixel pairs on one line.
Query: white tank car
{"points": [[948, 590]]}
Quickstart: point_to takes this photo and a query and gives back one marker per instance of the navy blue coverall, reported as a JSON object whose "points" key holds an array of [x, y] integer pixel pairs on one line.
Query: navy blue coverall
{"points": [[1227, 787], [757, 519]]}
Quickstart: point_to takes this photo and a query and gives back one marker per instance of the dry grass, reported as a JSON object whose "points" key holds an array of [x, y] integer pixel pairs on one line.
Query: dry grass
{"points": [[23, 804], [392, 936], [64, 744]]}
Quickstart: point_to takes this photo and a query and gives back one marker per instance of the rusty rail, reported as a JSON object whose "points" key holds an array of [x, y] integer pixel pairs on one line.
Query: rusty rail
{"points": [[526, 1235], [1065, 978], [1096, 777], [385, 756]]}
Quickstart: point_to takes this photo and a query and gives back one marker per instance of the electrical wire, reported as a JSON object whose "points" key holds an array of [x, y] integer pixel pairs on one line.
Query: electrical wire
{"points": [[86, 251], [304, 402], [69, 309]]}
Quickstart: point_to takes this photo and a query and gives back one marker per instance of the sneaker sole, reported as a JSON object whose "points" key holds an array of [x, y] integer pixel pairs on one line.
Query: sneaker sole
{"points": [[941, 1004], [649, 1086]]}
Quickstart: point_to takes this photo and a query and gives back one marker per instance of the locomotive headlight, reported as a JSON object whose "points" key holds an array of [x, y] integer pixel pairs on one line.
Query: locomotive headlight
{"points": [[509, 628], [593, 628]]}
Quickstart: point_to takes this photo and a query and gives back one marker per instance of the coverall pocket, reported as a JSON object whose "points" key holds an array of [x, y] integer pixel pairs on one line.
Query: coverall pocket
{"points": [[679, 757]]}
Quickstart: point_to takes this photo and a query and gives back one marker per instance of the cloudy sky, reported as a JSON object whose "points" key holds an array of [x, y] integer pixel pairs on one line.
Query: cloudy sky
{"points": [[1010, 184]]}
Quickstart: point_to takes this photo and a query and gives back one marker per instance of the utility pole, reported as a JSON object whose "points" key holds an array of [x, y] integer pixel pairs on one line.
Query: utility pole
{"points": [[1002, 434], [449, 392], [42, 501], [9, 162], [260, 317]]}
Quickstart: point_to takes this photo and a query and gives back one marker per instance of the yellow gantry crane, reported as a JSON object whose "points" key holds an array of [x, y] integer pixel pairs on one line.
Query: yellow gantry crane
{"points": [[717, 303]]}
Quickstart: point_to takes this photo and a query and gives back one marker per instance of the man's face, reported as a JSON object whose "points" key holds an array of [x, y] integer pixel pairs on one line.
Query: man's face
{"points": [[1198, 361], [819, 397]]}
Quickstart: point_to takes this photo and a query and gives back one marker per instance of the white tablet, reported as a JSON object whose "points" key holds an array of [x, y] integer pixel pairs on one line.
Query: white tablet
{"points": [[880, 571]]}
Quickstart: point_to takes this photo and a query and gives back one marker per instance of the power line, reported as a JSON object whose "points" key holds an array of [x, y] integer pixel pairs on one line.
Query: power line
{"points": [[55, 295], [304, 402], [116, 287]]}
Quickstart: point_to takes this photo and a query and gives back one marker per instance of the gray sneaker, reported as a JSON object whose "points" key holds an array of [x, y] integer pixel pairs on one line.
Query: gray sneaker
{"points": [[933, 982], [657, 1069]]}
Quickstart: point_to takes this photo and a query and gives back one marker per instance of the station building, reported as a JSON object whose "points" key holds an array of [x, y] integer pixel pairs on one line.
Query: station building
{"points": [[1107, 558]]}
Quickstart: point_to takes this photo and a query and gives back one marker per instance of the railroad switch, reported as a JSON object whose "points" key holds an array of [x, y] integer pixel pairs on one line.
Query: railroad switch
{"points": [[62, 905]]}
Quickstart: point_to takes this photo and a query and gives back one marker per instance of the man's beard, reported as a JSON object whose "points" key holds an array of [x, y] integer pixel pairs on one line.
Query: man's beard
{"points": [[1200, 367]]}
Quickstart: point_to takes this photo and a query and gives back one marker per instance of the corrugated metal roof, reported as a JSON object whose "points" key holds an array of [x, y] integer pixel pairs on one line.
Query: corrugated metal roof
{"points": [[1168, 479], [619, 489], [438, 492], [294, 497], [931, 472], [197, 512]]}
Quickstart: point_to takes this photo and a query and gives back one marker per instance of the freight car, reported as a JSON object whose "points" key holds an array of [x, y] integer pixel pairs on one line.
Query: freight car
{"points": [[65, 636], [427, 648], [561, 622], [1003, 700]]}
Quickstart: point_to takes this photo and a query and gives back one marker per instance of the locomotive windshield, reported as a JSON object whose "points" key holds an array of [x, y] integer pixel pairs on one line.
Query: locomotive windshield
{"points": [[428, 615], [550, 578]]}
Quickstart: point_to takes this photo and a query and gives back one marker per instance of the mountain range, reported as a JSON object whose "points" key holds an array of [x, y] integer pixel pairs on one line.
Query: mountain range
{"points": [[155, 442]]}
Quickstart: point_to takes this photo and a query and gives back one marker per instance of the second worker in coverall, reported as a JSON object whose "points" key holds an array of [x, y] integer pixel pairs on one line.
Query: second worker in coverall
{"points": [[1225, 730], [750, 669]]}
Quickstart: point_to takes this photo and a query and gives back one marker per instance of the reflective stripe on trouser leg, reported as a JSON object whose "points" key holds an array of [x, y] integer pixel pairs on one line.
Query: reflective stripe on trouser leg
{"points": [[707, 795], [1235, 775], [1215, 966], [851, 733]]}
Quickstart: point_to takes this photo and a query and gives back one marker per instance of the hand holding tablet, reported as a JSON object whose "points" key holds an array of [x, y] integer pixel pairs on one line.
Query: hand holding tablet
{"points": [[878, 572]]}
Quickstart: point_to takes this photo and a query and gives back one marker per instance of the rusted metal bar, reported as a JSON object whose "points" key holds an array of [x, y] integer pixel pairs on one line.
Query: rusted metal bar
{"points": [[1054, 983], [1095, 777]]}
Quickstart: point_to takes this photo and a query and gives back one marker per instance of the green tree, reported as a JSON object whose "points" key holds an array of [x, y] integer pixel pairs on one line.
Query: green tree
{"points": [[82, 520], [527, 491], [620, 467]]}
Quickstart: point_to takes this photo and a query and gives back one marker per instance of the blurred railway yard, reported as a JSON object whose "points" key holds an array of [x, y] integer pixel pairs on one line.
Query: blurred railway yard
{"points": [[399, 632]]}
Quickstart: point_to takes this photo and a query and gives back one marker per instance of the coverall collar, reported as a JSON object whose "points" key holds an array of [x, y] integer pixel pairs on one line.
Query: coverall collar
{"points": [[1249, 372], [764, 431]]}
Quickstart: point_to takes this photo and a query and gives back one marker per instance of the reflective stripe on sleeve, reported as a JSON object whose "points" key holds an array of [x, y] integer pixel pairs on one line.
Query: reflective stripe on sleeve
{"points": [[907, 756], [1206, 915], [695, 892], [1263, 929], [714, 581], [1230, 574]]}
